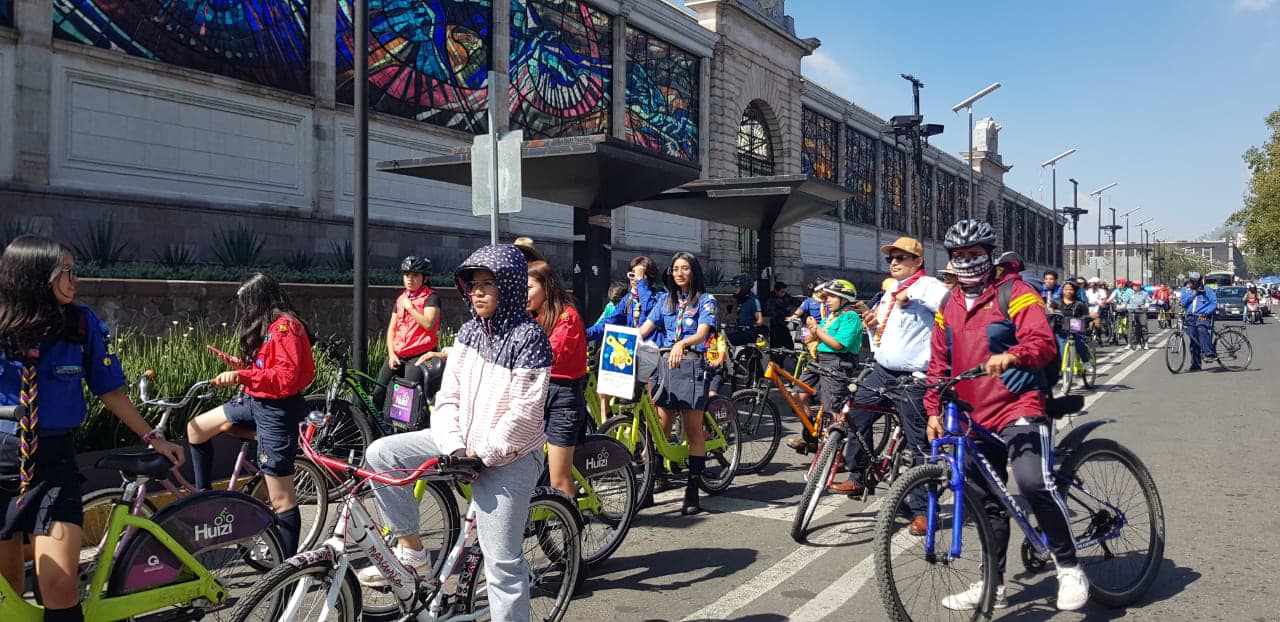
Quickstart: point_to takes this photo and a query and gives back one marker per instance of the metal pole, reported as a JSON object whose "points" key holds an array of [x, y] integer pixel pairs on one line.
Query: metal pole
{"points": [[493, 149], [1098, 272], [1127, 275], [972, 190], [1114, 266], [1054, 194], [360, 221], [1075, 227]]}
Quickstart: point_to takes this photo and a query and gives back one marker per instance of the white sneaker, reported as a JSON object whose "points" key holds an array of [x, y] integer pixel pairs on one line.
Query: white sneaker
{"points": [[972, 597], [417, 560], [1073, 588]]}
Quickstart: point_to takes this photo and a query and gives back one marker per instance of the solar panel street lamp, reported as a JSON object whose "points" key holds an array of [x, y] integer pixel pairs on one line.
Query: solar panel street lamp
{"points": [[1098, 193], [968, 103]]}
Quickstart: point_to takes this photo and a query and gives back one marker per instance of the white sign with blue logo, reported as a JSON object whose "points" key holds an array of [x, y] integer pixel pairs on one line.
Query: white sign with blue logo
{"points": [[618, 362]]}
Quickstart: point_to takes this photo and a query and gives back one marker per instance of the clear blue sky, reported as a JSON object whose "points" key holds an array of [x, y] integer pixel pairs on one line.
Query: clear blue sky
{"points": [[1160, 96]]}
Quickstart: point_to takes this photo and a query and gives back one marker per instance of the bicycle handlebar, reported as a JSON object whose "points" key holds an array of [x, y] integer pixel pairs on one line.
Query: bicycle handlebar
{"points": [[148, 375], [449, 465]]}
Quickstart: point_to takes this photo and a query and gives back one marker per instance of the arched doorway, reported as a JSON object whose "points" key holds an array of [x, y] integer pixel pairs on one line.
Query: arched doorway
{"points": [[755, 159]]}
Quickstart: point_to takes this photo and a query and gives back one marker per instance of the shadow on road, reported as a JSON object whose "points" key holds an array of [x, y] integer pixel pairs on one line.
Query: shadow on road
{"points": [[1031, 597], [657, 571]]}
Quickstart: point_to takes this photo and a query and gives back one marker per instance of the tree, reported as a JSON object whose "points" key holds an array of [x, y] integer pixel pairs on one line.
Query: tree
{"points": [[1168, 261], [1261, 214]]}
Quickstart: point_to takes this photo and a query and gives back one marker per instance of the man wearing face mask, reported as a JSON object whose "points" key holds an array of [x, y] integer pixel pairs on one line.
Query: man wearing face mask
{"points": [[975, 326]]}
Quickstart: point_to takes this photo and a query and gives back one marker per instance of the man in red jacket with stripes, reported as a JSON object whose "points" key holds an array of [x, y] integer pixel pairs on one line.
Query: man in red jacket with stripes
{"points": [[973, 327]]}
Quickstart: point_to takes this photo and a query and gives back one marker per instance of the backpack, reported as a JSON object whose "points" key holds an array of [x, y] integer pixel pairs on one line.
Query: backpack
{"points": [[1045, 377]]}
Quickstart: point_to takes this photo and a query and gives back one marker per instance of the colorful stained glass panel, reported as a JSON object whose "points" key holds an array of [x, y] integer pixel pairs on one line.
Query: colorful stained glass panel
{"points": [[561, 68], [428, 60], [662, 96], [946, 203], [859, 169], [820, 145], [893, 174], [261, 41]]}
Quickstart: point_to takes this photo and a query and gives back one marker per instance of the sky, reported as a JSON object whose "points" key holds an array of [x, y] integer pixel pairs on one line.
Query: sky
{"points": [[1162, 97]]}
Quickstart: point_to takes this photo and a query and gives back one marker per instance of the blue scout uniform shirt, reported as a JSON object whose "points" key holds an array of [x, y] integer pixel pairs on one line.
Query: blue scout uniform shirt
{"points": [[680, 324], [812, 307], [747, 311], [624, 312], [62, 367]]}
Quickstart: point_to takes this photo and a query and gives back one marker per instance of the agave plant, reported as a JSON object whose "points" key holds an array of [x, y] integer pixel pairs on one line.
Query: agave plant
{"points": [[102, 244], [343, 255], [176, 255], [238, 247], [299, 260]]}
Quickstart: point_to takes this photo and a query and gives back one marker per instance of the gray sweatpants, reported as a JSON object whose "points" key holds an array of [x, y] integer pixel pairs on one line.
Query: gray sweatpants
{"points": [[501, 495]]}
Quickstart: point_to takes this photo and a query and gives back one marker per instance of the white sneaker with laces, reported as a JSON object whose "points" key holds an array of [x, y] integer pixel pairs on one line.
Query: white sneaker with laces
{"points": [[972, 597], [417, 560], [1073, 588]]}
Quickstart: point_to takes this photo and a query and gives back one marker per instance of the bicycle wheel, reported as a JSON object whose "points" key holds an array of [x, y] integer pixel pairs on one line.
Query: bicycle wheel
{"points": [[912, 582], [1234, 351], [881, 429], [722, 464], [1175, 352], [748, 366], [760, 426], [603, 533], [552, 548], [1111, 496], [1068, 367], [305, 587], [819, 476], [348, 432], [438, 525], [97, 517], [1089, 378], [644, 458], [312, 487], [240, 566]]}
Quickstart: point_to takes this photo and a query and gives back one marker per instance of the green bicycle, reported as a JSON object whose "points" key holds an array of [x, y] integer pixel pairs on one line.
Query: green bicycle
{"points": [[1073, 362], [190, 556], [640, 431]]}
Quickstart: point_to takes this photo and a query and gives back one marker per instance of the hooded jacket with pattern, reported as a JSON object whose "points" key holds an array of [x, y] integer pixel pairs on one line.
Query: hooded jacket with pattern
{"points": [[978, 332], [492, 396]]}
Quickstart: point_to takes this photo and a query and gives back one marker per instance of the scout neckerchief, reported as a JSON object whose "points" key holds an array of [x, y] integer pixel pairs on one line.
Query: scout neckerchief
{"points": [[684, 304], [893, 303], [28, 441], [635, 305]]}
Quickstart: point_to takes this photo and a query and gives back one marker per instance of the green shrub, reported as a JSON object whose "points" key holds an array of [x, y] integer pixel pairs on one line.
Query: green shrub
{"points": [[238, 247], [101, 244], [343, 256], [176, 256], [16, 228], [299, 260]]}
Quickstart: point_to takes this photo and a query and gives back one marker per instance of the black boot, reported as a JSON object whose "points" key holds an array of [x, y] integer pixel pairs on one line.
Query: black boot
{"points": [[697, 464]]}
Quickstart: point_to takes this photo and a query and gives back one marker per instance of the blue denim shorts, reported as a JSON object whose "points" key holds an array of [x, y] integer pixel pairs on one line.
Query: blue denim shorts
{"points": [[566, 412], [276, 422]]}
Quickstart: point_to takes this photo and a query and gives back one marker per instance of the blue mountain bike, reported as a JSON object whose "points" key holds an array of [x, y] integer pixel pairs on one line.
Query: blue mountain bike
{"points": [[1112, 506]]}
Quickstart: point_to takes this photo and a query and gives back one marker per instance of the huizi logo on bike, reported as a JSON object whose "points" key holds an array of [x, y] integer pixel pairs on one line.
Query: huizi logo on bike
{"points": [[599, 461], [221, 527]]}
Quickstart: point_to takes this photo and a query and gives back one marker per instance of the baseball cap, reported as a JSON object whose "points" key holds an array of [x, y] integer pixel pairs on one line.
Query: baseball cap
{"points": [[905, 244]]}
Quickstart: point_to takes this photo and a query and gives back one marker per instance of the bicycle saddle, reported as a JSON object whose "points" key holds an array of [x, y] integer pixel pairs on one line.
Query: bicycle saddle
{"points": [[148, 463]]}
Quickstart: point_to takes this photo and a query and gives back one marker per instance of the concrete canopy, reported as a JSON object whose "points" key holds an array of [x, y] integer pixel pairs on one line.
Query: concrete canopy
{"points": [[759, 203]]}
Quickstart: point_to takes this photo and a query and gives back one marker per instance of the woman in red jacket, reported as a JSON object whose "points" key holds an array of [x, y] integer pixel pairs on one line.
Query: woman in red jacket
{"points": [[566, 412], [274, 367]]}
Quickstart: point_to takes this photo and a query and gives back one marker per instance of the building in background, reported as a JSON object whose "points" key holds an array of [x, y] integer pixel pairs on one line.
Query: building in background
{"points": [[178, 121], [1127, 263]]}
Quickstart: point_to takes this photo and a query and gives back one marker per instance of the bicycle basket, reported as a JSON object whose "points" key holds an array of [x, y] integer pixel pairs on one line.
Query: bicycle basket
{"points": [[406, 407]]}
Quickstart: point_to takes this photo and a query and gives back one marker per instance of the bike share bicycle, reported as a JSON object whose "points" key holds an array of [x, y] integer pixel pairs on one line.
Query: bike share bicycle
{"points": [[1115, 516], [321, 584]]}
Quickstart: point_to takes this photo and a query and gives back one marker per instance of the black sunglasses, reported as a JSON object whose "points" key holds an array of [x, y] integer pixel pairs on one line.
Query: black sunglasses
{"points": [[898, 257]]}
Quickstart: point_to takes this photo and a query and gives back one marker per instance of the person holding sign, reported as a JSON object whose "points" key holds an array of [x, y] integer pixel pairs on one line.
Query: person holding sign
{"points": [[683, 319], [566, 412]]}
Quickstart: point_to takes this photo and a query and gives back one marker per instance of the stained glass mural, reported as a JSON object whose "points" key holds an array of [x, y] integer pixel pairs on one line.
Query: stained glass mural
{"points": [[893, 174], [962, 198], [926, 202], [6, 12], [561, 68], [859, 169], [662, 96], [428, 60], [261, 41], [946, 203], [819, 145]]}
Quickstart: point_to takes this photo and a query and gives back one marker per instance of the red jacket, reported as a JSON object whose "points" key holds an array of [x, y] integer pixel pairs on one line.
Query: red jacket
{"points": [[284, 366], [569, 346], [994, 406]]}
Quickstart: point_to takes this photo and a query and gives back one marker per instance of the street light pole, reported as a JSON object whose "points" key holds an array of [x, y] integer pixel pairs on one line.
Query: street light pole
{"points": [[1142, 262], [1127, 275], [1053, 164], [360, 211], [968, 103], [1098, 193], [1075, 212]]}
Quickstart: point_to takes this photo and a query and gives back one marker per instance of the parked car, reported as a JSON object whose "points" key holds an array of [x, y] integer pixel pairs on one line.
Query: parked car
{"points": [[1231, 302]]}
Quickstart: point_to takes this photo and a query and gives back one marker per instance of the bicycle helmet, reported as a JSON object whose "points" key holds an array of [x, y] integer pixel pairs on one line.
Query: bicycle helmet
{"points": [[1194, 277], [416, 264], [1136, 282], [968, 233], [841, 288], [742, 280]]}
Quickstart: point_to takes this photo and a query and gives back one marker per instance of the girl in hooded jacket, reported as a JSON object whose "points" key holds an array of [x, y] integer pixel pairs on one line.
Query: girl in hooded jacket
{"points": [[490, 405]]}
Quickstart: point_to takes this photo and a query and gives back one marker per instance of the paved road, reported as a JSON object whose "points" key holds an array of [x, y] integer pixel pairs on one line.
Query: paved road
{"points": [[1209, 439]]}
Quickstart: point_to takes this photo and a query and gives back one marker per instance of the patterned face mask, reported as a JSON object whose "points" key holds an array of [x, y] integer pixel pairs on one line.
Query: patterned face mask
{"points": [[972, 271]]}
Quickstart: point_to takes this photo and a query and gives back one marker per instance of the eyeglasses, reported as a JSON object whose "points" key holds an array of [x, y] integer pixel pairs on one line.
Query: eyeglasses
{"points": [[898, 257], [481, 287], [70, 271]]}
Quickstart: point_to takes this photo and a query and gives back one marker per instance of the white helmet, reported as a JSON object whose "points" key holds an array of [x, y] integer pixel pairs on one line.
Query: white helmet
{"points": [[1093, 280]]}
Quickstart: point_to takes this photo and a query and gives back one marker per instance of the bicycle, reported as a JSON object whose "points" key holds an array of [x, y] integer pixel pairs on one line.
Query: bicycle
{"points": [[357, 420], [1072, 363], [744, 363], [921, 570], [321, 584], [884, 467], [640, 431], [187, 556], [1136, 330], [1230, 343], [1164, 318]]}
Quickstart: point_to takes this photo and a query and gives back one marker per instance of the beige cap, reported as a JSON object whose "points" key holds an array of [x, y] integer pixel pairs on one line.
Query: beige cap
{"points": [[948, 269], [905, 244]]}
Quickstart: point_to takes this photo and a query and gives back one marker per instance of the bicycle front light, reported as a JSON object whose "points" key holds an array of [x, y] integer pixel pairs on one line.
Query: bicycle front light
{"points": [[317, 419]]}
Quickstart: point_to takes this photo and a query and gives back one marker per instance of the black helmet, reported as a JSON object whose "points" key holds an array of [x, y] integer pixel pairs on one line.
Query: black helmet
{"points": [[970, 232], [416, 264], [742, 280]]}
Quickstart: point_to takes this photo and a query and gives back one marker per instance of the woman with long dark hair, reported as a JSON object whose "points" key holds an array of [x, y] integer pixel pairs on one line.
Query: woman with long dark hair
{"points": [[566, 414], [50, 349], [684, 318], [274, 367]]}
